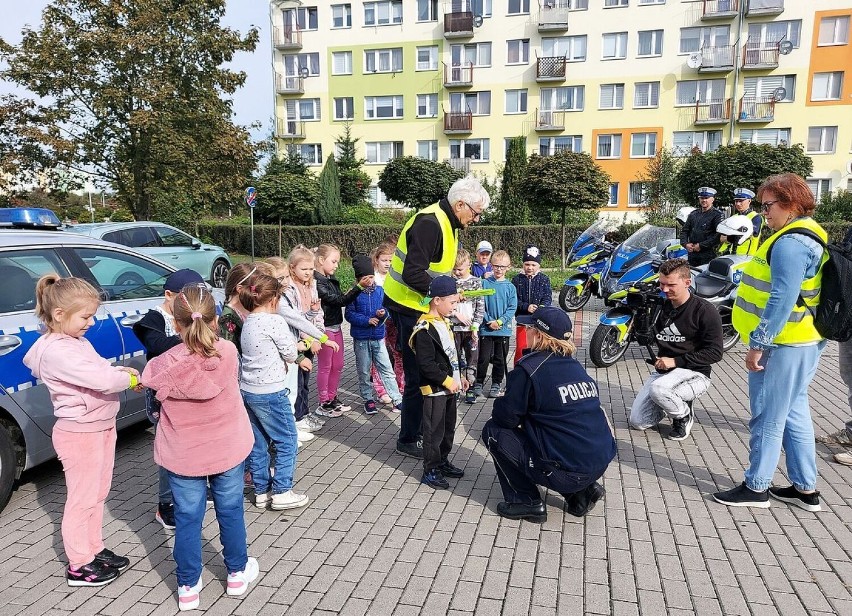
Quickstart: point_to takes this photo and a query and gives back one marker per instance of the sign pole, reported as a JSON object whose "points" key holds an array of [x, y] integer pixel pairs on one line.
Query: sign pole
{"points": [[251, 200]]}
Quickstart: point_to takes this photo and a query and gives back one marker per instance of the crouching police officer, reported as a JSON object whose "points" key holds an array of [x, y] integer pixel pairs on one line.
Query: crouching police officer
{"points": [[549, 427]]}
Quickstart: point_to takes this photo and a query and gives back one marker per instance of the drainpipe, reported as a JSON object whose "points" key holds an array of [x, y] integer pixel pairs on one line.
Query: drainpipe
{"points": [[738, 59]]}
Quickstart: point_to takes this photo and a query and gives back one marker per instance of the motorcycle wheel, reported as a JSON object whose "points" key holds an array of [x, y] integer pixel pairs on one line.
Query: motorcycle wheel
{"points": [[604, 349], [730, 338], [570, 300]]}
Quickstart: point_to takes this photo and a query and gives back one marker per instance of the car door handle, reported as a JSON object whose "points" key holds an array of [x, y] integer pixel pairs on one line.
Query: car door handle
{"points": [[131, 320], [9, 344]]}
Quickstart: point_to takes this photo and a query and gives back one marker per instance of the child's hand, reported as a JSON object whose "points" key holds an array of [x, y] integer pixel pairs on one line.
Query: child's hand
{"points": [[301, 346], [380, 313], [374, 321], [331, 343], [315, 346], [139, 388], [493, 325], [465, 384], [532, 308], [129, 370], [306, 364], [462, 318], [454, 388], [365, 281]]}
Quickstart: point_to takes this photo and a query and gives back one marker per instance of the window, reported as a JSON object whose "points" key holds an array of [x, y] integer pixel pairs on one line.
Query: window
{"points": [[383, 60], [760, 87], [22, 268], [341, 15], [578, 5], [707, 141], [766, 35], [518, 51], [341, 63], [819, 187], [478, 54], [548, 146], [344, 108], [693, 39], [380, 199], [427, 10], [637, 194], [641, 2], [612, 96], [609, 146], [427, 150], [135, 237], [834, 30], [383, 13], [475, 149], [646, 95], [569, 98], [310, 153], [643, 145], [615, 3], [381, 152], [172, 237], [516, 101], [519, 7], [768, 136], [822, 139], [427, 105], [293, 63], [427, 58], [699, 90], [478, 103], [827, 86], [123, 276], [615, 46], [613, 194], [650, 43], [303, 109], [573, 48], [382, 107], [305, 17]]}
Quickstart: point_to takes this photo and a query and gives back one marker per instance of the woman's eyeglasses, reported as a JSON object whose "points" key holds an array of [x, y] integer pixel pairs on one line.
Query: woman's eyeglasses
{"points": [[768, 204]]}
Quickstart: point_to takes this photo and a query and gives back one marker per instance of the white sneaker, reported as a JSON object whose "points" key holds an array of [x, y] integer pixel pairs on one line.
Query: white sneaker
{"points": [[315, 422], [304, 436], [288, 500], [303, 425], [188, 596], [386, 399], [238, 582], [261, 500]]}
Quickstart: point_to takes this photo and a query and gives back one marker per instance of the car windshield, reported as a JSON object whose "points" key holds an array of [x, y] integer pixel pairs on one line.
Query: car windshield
{"points": [[649, 236]]}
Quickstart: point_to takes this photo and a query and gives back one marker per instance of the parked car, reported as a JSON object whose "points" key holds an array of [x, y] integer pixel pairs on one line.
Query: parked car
{"points": [[165, 243], [131, 284]]}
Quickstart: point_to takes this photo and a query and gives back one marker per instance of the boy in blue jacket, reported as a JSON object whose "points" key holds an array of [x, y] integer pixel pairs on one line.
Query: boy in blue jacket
{"points": [[496, 330], [368, 317]]}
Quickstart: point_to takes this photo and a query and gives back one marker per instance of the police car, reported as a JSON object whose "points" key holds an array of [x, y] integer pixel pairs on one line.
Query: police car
{"points": [[31, 245]]}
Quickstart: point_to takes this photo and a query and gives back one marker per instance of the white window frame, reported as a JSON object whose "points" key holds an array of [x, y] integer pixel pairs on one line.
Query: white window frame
{"points": [[393, 56], [372, 105], [614, 141], [708, 36], [700, 138], [294, 62], [302, 104], [646, 141], [391, 8], [523, 52], [656, 44], [619, 42], [432, 10], [521, 96], [462, 102], [345, 16], [461, 144], [382, 152], [433, 58], [573, 48], [823, 186], [552, 146], [782, 136], [578, 5], [764, 86], [652, 94], [616, 4], [429, 102], [523, 7], [555, 99], [301, 17], [702, 89], [831, 90], [316, 153], [632, 189], [617, 92], [459, 54], [346, 57], [613, 194], [793, 33], [348, 105], [837, 27], [651, 2], [827, 136], [432, 149]]}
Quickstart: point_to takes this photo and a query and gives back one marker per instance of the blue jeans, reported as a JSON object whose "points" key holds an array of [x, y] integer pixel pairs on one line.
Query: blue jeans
{"points": [[190, 496], [367, 353], [272, 421], [780, 415]]}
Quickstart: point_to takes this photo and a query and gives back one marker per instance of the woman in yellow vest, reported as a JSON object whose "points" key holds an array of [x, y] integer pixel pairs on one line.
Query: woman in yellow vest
{"points": [[773, 315]]}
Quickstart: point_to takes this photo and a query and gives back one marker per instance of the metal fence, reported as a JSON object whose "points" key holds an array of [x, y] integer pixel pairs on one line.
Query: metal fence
{"points": [[551, 67]]}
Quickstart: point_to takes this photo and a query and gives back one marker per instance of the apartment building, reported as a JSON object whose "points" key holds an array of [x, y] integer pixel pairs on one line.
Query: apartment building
{"points": [[454, 80]]}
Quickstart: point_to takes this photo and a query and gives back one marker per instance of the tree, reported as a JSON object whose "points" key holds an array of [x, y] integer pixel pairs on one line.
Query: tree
{"points": [[138, 92], [738, 165], [514, 207], [835, 207], [566, 180], [417, 182], [354, 183], [329, 206], [288, 198], [661, 188]]}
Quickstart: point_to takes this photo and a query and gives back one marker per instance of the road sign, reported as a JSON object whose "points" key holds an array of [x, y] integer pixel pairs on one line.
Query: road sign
{"points": [[251, 196]]}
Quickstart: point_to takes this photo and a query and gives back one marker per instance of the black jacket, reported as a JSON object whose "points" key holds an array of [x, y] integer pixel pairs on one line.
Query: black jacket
{"points": [[151, 331], [691, 334], [700, 228], [333, 301], [433, 362]]}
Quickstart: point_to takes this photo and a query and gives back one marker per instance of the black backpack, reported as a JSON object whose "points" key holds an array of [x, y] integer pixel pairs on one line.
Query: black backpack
{"points": [[833, 315]]}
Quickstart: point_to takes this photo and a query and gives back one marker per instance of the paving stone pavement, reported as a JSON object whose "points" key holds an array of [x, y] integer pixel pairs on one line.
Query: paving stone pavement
{"points": [[374, 541]]}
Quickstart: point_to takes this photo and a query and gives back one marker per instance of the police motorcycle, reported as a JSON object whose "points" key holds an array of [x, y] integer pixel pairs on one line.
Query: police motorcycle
{"points": [[586, 260]]}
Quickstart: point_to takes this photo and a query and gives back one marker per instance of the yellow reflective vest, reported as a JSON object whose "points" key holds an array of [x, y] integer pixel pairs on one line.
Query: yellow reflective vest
{"points": [[746, 248], [753, 293], [394, 287]]}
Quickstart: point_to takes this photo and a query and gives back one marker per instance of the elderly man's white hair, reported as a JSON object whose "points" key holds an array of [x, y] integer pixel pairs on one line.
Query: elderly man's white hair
{"points": [[469, 190]]}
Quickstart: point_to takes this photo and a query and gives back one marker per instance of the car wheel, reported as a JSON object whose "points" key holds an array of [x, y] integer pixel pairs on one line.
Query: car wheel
{"points": [[128, 279], [219, 273], [7, 465]]}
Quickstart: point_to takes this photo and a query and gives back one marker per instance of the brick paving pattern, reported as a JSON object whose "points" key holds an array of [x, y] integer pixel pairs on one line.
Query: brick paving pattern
{"points": [[374, 541]]}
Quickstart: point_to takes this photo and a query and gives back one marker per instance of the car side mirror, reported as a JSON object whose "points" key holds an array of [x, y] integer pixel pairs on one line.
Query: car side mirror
{"points": [[196, 245]]}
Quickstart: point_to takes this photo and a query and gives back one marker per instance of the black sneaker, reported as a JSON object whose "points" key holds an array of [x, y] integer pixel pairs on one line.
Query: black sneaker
{"points": [[742, 496], [682, 426], [581, 503], [808, 502], [111, 559], [166, 515], [470, 397], [535, 512], [434, 479], [94, 574], [448, 470], [412, 450]]}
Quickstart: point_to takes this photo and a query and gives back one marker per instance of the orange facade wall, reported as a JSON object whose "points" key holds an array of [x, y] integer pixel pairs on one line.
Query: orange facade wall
{"points": [[624, 169], [829, 59]]}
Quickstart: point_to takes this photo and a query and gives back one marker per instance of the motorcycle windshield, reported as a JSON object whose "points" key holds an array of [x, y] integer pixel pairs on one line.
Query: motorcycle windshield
{"points": [[648, 237], [593, 235]]}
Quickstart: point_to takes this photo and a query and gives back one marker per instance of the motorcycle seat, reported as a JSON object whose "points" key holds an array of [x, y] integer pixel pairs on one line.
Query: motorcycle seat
{"points": [[709, 285], [721, 266]]}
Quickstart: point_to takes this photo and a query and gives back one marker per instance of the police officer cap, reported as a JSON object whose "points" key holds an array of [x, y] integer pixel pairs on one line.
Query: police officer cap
{"points": [[743, 193], [442, 286], [549, 320], [706, 191]]}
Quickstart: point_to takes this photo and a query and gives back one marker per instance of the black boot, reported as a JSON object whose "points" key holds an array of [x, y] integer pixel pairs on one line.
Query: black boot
{"points": [[518, 511], [580, 503]]}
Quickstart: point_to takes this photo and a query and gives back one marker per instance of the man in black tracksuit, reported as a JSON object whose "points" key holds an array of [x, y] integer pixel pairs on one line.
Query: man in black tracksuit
{"points": [[699, 235]]}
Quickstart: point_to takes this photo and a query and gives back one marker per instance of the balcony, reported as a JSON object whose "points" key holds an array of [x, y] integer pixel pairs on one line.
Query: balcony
{"points": [[458, 123], [459, 164], [548, 120], [285, 84], [756, 109], [720, 9], [553, 16], [458, 25], [758, 57], [762, 8], [290, 129], [288, 37], [458, 76], [718, 59], [712, 112], [550, 69]]}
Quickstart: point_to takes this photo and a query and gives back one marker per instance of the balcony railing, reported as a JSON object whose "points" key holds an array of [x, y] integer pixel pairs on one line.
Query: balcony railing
{"points": [[764, 7], [459, 164], [458, 24], [550, 69], [290, 129], [458, 122], [712, 112], [757, 109], [761, 57], [553, 16], [285, 84], [288, 37], [720, 9], [718, 59], [458, 76], [547, 120]]}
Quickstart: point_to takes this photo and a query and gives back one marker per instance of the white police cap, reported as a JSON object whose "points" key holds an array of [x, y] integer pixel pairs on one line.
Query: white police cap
{"points": [[743, 193], [706, 191]]}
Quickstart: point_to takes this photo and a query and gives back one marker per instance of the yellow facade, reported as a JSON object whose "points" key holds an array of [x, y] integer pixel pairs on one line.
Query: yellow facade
{"points": [[581, 74]]}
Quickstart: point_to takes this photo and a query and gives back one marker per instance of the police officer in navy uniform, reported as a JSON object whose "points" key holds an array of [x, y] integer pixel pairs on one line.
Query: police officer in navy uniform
{"points": [[699, 235], [549, 428]]}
